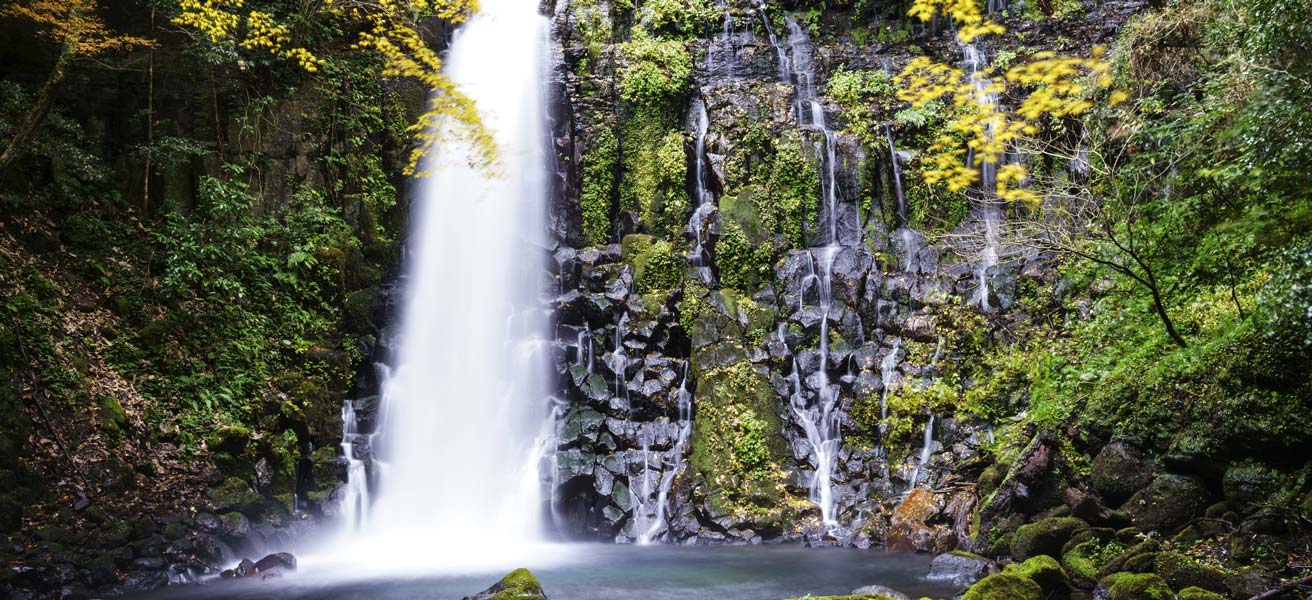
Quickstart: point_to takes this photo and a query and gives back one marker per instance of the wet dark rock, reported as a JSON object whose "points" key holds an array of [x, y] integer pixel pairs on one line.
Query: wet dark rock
{"points": [[234, 527], [1168, 503], [1118, 471], [245, 568], [278, 561], [960, 567], [141, 581], [879, 590]]}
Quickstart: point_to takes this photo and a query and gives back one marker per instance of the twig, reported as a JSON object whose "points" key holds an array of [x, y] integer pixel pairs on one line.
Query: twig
{"points": [[1280, 589]]}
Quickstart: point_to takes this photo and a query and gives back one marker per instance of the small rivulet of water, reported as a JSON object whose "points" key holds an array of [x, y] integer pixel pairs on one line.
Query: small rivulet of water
{"points": [[926, 450], [465, 421], [819, 417], [781, 54], [987, 212], [702, 221], [652, 496]]}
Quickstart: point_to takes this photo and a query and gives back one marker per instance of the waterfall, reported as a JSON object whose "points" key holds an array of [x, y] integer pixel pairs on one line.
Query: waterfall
{"points": [[901, 217], [888, 376], [811, 115], [974, 60], [355, 499], [819, 418], [925, 452], [702, 220], [464, 410], [651, 505], [988, 256], [781, 55]]}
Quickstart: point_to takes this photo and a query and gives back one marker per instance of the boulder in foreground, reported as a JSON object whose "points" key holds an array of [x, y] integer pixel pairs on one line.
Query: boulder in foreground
{"points": [[520, 584]]}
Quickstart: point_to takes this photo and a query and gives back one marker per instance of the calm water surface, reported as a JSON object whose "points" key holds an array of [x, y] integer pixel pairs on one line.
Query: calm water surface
{"points": [[609, 572]]}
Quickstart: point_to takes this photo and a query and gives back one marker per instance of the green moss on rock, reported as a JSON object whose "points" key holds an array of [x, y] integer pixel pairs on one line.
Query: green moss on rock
{"points": [[1136, 586], [1195, 593], [1004, 586], [1180, 571], [1044, 537], [519, 584], [1045, 571], [597, 193], [234, 494], [229, 438], [738, 449]]}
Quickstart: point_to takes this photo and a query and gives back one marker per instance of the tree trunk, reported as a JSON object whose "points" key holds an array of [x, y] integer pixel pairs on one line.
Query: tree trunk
{"points": [[1160, 308], [37, 114]]}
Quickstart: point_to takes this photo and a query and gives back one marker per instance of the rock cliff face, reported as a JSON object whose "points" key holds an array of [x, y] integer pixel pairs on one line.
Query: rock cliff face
{"points": [[748, 311]]}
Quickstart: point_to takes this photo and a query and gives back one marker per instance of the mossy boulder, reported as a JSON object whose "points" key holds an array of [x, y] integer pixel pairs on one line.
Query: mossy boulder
{"points": [[1084, 562], [1044, 537], [234, 494], [1118, 471], [1135, 586], [113, 418], [1004, 586], [1248, 483], [232, 439], [1047, 572], [656, 264], [1140, 558], [519, 584], [1181, 571], [739, 449], [1195, 593], [1168, 503]]}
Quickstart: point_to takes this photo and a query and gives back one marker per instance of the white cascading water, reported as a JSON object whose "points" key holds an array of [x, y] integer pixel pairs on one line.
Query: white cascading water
{"points": [[926, 451], [702, 220], [463, 409], [974, 61]]}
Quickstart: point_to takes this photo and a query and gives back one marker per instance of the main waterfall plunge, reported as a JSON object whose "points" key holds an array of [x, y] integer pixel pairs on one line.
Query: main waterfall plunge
{"points": [[455, 476]]}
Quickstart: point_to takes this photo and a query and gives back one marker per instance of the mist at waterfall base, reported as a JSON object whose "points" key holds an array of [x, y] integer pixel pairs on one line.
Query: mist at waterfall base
{"points": [[624, 572]]}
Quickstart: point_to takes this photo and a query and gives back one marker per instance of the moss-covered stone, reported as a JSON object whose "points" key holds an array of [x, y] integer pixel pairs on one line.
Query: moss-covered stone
{"points": [[113, 418], [1004, 586], [656, 266], [1180, 571], [1249, 483], [1169, 502], [1047, 572], [738, 448], [1140, 558], [234, 494], [232, 439], [1136, 586], [1044, 537], [1084, 561], [519, 584], [1195, 593]]}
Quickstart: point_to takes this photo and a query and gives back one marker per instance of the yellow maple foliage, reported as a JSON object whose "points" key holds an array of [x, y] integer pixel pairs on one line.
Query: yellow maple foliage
{"points": [[73, 22], [76, 26], [1048, 86], [386, 27]]}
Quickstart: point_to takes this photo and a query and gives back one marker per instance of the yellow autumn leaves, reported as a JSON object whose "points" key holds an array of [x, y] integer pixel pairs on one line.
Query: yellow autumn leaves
{"points": [[981, 132], [386, 27]]}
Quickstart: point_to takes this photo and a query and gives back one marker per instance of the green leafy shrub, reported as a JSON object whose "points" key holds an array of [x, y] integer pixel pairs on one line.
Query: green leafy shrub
{"points": [[656, 71]]}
